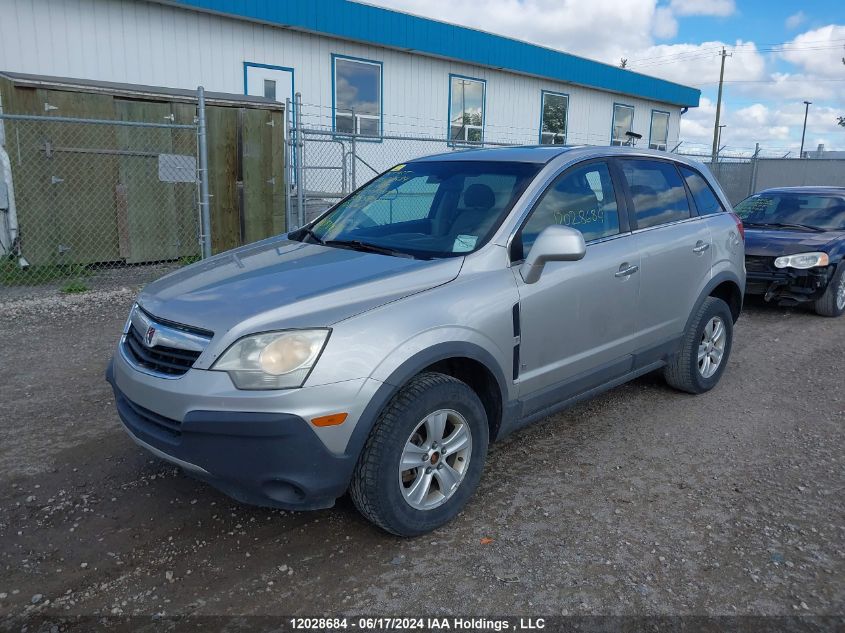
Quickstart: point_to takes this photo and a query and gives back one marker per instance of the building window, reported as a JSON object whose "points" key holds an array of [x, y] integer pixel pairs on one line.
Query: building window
{"points": [[466, 109], [270, 89], [623, 121], [553, 118], [357, 96], [659, 135]]}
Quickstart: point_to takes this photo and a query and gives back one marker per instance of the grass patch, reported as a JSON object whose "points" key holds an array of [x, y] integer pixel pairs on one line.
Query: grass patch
{"points": [[74, 287], [187, 260], [13, 275]]}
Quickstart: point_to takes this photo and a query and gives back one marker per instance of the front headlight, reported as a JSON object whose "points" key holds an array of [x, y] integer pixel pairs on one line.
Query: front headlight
{"points": [[802, 260], [273, 360]]}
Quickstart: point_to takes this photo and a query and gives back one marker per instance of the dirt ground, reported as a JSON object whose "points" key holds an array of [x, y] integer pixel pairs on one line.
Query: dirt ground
{"points": [[643, 501]]}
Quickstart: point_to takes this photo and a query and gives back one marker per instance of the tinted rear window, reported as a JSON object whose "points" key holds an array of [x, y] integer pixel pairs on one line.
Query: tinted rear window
{"points": [[705, 198], [657, 191]]}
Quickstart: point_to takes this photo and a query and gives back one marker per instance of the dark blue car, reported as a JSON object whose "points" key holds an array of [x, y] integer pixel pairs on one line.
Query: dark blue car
{"points": [[794, 246]]}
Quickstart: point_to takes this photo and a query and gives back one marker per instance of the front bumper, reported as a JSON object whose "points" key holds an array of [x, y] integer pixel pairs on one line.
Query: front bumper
{"points": [[787, 285], [254, 454]]}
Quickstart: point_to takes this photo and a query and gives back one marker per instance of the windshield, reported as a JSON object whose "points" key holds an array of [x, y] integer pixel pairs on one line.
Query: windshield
{"points": [[795, 210], [426, 210]]}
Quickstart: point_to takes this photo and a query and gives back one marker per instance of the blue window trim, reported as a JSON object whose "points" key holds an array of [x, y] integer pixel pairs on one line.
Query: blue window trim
{"points": [[543, 94], [248, 65], [651, 125], [449, 140], [367, 139], [292, 72], [613, 112]]}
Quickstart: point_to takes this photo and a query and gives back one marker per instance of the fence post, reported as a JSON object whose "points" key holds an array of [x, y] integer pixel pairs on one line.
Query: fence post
{"points": [[752, 186], [354, 166], [300, 162], [205, 211], [290, 175]]}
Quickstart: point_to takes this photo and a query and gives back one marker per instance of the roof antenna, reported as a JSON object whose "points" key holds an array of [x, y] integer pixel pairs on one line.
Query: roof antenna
{"points": [[633, 137]]}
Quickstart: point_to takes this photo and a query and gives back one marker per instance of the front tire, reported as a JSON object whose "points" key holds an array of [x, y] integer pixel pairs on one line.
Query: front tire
{"points": [[832, 302], [424, 457], [705, 349]]}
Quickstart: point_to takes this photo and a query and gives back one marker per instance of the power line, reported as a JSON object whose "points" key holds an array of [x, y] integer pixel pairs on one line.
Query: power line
{"points": [[743, 49], [768, 81]]}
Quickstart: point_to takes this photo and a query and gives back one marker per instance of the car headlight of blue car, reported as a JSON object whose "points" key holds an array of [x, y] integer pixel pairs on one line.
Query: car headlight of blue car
{"points": [[802, 261]]}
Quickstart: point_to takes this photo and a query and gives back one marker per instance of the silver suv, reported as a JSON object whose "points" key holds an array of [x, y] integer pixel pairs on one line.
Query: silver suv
{"points": [[449, 301]]}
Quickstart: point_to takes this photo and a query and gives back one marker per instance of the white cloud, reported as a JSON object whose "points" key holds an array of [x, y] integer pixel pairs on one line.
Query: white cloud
{"points": [[795, 20], [665, 24], [818, 52], [764, 90], [698, 64], [721, 8], [601, 29]]}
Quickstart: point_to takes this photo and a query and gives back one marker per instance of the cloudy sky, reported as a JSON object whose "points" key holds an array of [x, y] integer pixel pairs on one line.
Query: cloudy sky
{"points": [[784, 52]]}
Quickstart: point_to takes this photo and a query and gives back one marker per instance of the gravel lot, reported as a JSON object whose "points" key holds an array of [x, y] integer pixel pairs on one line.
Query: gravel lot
{"points": [[642, 501]]}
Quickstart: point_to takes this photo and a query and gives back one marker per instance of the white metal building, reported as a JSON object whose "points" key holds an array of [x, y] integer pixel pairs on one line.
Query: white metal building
{"points": [[358, 67]]}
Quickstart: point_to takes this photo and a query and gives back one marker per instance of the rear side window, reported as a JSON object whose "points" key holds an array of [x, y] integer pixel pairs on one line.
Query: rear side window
{"points": [[657, 192], [705, 198]]}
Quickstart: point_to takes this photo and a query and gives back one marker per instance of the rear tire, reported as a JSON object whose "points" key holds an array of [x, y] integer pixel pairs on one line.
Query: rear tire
{"points": [[705, 349], [832, 302], [439, 421]]}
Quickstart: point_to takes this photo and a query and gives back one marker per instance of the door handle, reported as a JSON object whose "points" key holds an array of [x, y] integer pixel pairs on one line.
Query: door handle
{"points": [[700, 247], [626, 271]]}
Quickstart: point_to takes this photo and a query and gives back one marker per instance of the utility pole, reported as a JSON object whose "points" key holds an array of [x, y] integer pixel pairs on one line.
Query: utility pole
{"points": [[804, 131], [723, 54]]}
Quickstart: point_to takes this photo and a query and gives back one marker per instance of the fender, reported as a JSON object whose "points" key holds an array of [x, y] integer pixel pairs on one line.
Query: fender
{"points": [[410, 368], [711, 285]]}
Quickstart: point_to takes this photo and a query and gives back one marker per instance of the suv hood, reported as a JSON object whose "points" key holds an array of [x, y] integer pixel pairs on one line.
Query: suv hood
{"points": [[777, 242], [280, 283]]}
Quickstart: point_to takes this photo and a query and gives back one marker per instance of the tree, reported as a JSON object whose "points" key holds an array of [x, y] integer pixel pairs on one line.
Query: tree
{"points": [[554, 115]]}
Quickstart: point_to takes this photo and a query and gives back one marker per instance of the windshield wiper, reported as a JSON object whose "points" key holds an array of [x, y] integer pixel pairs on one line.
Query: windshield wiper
{"points": [[786, 225], [358, 245], [312, 234]]}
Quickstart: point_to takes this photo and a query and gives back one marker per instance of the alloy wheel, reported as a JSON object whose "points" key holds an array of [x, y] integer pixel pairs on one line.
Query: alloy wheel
{"points": [[435, 459], [712, 347]]}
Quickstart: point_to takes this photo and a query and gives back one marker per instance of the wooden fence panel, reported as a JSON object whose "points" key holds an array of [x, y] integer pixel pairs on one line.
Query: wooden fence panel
{"points": [[150, 206], [82, 178], [222, 168]]}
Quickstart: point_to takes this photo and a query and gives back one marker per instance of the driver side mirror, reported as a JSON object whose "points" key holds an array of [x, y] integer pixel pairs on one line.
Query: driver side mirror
{"points": [[555, 243]]}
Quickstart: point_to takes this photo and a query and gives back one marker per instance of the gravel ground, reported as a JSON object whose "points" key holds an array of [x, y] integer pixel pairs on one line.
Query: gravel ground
{"points": [[642, 501]]}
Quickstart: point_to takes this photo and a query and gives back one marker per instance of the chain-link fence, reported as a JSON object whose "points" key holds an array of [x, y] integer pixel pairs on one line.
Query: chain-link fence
{"points": [[325, 166], [83, 194], [740, 176]]}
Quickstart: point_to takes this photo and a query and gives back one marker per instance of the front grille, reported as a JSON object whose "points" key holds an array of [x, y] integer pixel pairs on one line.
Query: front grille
{"points": [[758, 264], [160, 359], [141, 417]]}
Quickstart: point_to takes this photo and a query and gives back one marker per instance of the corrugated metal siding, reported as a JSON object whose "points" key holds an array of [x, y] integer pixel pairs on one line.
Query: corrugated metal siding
{"points": [[355, 21], [147, 43]]}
